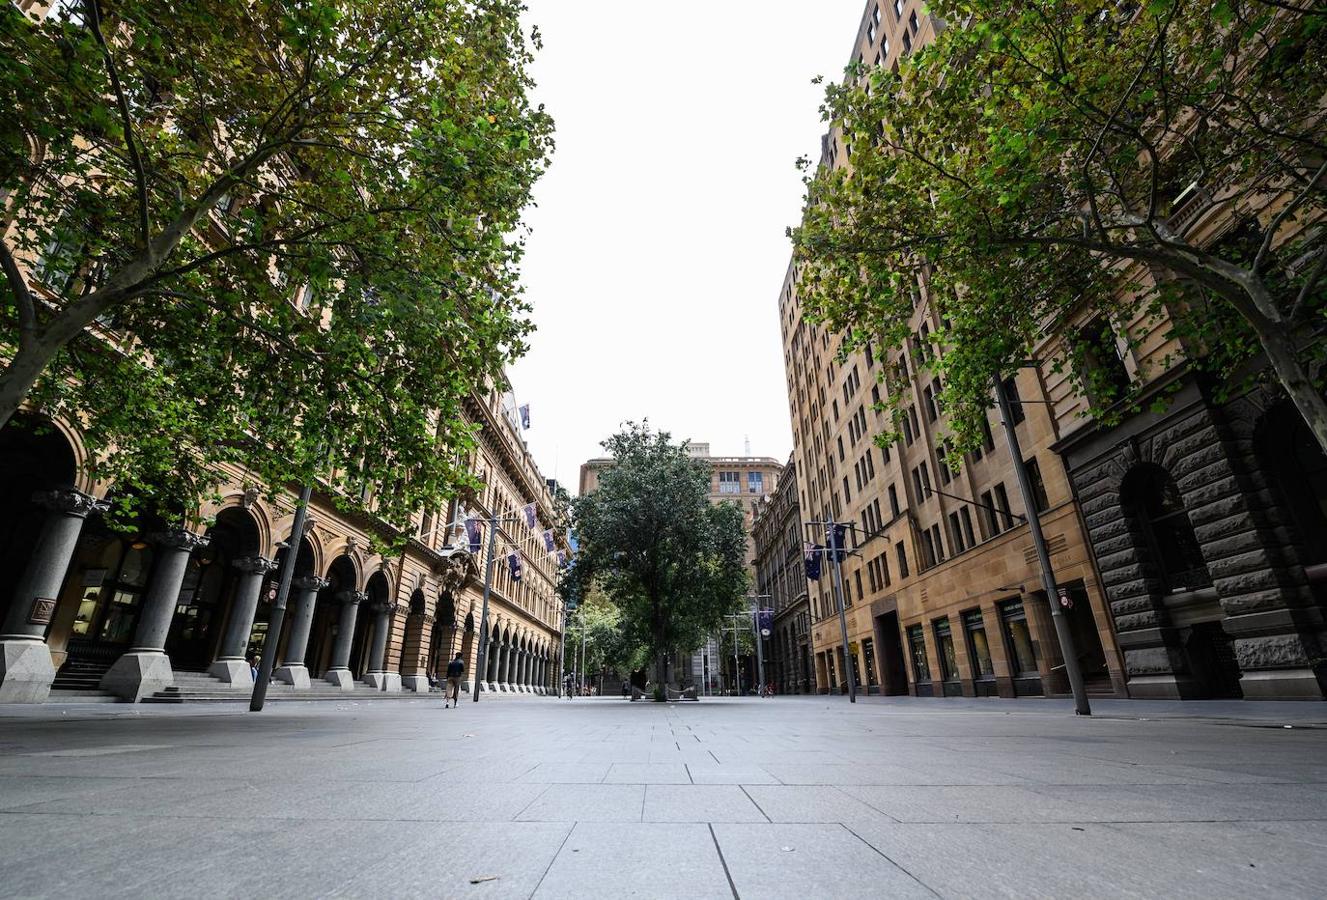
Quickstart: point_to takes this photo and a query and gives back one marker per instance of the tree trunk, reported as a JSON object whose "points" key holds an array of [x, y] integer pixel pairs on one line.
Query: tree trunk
{"points": [[20, 375], [1283, 355], [661, 674]]}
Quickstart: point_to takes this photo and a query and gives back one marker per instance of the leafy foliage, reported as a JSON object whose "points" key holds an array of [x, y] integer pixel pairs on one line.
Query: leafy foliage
{"points": [[282, 235], [649, 537], [1043, 161]]}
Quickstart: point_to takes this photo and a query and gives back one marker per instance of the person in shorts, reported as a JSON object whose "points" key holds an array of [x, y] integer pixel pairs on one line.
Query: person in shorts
{"points": [[455, 669]]}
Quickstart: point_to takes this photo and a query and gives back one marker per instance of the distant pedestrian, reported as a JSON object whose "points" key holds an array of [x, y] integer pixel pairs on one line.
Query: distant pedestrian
{"points": [[253, 666], [455, 669], [569, 685], [626, 688]]}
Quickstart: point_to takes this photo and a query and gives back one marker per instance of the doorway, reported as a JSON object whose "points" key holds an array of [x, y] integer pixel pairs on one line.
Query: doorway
{"points": [[893, 667]]}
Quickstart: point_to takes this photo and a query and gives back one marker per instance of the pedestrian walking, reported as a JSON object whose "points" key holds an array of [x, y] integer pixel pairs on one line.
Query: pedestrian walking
{"points": [[455, 669], [253, 666], [569, 685]]}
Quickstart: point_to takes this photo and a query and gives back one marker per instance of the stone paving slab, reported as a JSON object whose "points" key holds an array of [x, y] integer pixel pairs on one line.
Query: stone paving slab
{"points": [[604, 798]]}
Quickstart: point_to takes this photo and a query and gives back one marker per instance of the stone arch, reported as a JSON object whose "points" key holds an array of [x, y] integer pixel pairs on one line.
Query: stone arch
{"points": [[346, 553], [341, 576], [419, 626], [250, 502], [375, 621]]}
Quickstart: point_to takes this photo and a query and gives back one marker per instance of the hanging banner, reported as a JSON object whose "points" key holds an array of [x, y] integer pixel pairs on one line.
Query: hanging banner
{"points": [[514, 562], [813, 561], [525, 417], [836, 537], [549, 544], [530, 519], [474, 530]]}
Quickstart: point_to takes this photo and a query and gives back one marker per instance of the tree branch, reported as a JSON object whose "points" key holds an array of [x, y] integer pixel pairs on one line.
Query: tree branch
{"points": [[126, 121], [23, 302], [1275, 225]]}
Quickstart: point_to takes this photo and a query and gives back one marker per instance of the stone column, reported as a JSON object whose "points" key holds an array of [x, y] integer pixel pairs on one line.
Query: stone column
{"points": [[230, 665], [339, 672], [500, 675], [543, 675], [512, 653], [527, 678], [378, 677], [292, 669], [145, 669], [486, 678], [26, 671]]}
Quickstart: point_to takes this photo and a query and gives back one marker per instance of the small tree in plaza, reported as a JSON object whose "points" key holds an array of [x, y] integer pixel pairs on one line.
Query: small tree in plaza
{"points": [[1164, 161], [278, 235], [672, 562]]}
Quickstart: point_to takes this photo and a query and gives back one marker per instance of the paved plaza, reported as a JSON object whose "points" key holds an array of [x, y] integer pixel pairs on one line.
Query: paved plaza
{"points": [[790, 797]]}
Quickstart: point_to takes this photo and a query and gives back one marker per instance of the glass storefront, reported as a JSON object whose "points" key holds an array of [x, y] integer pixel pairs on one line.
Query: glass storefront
{"points": [[921, 668], [1018, 639], [979, 653], [944, 645]]}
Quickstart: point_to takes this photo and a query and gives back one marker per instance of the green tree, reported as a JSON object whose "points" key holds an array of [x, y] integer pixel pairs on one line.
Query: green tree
{"points": [[1039, 150], [671, 561], [278, 234], [606, 645]]}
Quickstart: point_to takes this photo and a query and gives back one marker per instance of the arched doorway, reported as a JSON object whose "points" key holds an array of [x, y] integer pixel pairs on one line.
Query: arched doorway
{"points": [[341, 577], [443, 645], [1177, 574], [1297, 470], [34, 457], [208, 592], [371, 617]]}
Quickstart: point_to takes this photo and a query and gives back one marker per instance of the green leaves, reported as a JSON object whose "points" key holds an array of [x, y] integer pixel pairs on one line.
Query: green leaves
{"points": [[672, 563], [353, 286], [1024, 172]]}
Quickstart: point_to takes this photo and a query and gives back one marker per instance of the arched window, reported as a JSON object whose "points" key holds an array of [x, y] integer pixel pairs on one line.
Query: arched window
{"points": [[1153, 500], [1298, 471]]}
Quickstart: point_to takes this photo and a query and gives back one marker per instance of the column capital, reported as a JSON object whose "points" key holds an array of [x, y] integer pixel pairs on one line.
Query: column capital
{"points": [[180, 539], [309, 583], [352, 597], [70, 501], [255, 565]]}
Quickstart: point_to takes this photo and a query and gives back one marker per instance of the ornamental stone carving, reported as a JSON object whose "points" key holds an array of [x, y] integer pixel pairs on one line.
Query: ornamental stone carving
{"points": [[255, 565], [249, 497], [352, 597], [309, 583], [70, 502], [180, 539]]}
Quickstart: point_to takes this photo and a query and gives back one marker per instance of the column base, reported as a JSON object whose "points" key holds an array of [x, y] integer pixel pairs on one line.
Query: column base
{"points": [[26, 670], [388, 682], [138, 674], [417, 683], [466, 687], [235, 672], [341, 678], [297, 676], [1281, 684]]}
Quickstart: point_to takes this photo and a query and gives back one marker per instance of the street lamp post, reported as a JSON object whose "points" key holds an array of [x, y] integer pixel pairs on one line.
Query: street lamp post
{"points": [[833, 552], [760, 639], [278, 614], [1062, 630]]}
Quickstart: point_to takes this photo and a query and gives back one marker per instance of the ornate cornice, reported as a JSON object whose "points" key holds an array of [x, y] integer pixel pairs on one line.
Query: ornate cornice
{"points": [[69, 502]]}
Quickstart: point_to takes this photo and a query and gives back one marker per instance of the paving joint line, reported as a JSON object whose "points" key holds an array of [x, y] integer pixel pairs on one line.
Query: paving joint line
{"points": [[549, 867], [732, 886], [758, 807], [886, 858]]}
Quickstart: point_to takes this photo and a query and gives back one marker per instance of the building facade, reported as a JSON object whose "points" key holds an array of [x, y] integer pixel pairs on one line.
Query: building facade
{"points": [[941, 588], [87, 608], [781, 584], [1187, 539]]}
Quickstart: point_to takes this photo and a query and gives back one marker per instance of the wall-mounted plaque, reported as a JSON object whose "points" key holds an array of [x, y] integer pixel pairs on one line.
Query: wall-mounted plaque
{"points": [[43, 608]]}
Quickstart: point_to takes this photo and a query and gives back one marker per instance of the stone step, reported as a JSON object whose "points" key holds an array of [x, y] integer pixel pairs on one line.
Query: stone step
{"points": [[65, 695]]}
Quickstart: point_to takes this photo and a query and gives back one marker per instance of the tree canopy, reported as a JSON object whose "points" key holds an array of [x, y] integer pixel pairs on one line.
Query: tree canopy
{"points": [[673, 563], [279, 235], [1040, 159]]}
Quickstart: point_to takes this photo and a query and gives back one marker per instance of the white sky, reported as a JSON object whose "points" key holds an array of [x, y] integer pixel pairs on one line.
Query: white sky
{"points": [[658, 250]]}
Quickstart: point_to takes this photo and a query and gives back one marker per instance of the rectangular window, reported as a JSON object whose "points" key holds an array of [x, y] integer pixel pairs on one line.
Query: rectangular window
{"points": [[944, 646], [730, 482], [898, 10], [979, 650], [939, 544], [966, 516], [988, 439], [755, 482], [1038, 486], [1016, 411], [943, 464], [921, 668], [868, 656], [1022, 655], [902, 560], [912, 22], [1002, 503], [1103, 372], [893, 501], [857, 576], [991, 525], [928, 550], [956, 534], [928, 398]]}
